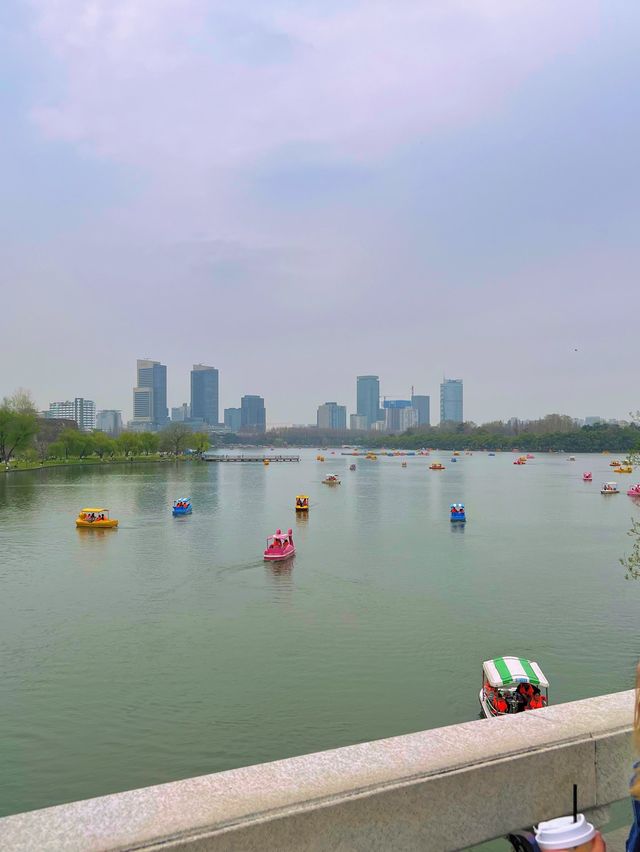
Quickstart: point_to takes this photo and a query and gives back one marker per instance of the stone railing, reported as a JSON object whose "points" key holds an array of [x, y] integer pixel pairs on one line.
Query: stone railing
{"points": [[442, 789]]}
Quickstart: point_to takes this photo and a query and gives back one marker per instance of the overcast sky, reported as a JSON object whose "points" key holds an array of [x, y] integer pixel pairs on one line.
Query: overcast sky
{"points": [[299, 191]]}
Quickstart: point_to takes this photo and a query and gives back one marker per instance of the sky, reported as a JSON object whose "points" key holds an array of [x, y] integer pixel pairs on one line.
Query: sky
{"points": [[300, 191]]}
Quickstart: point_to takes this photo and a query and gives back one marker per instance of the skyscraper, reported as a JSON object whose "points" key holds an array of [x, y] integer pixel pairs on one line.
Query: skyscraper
{"points": [[422, 405], [253, 415], [451, 401], [368, 398], [204, 394], [83, 411], [150, 395], [358, 422], [332, 416], [399, 415]]}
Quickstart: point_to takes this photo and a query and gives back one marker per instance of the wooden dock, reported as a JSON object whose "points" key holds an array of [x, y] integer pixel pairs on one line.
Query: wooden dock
{"points": [[254, 459]]}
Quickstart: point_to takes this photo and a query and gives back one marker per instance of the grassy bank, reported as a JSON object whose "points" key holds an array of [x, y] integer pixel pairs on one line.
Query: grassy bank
{"points": [[18, 465]]}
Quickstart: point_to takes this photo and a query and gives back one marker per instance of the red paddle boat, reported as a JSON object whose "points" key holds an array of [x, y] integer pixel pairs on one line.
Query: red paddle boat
{"points": [[279, 546]]}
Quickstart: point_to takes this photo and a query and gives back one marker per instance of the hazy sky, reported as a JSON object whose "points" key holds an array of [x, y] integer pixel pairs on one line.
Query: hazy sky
{"points": [[298, 191]]}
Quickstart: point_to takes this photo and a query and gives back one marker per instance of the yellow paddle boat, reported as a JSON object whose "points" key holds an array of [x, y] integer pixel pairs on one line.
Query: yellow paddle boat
{"points": [[95, 518], [625, 468], [302, 503]]}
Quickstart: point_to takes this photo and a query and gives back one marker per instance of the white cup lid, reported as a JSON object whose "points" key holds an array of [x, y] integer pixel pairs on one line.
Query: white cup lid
{"points": [[563, 833]]}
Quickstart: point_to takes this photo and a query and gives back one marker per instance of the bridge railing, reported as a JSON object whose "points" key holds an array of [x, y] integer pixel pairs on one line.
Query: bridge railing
{"points": [[442, 789]]}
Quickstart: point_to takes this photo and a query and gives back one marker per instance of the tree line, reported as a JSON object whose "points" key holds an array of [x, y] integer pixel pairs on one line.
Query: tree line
{"points": [[23, 436]]}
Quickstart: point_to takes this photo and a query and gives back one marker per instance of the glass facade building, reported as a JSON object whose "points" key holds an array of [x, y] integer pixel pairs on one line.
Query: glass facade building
{"points": [[233, 419], [150, 395], [368, 398], [253, 415], [204, 394], [332, 416], [83, 411], [451, 401], [422, 405]]}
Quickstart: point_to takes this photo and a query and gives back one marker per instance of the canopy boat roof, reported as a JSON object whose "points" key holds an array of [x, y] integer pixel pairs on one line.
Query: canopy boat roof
{"points": [[94, 510], [302, 496], [182, 500], [606, 483], [505, 671]]}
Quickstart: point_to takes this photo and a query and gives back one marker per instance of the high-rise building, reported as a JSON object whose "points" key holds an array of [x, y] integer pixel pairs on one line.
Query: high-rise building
{"points": [[368, 398], [180, 413], [83, 411], [109, 421], [253, 416], [451, 401], [150, 395], [204, 394], [233, 419], [399, 415], [332, 416], [422, 405], [358, 422]]}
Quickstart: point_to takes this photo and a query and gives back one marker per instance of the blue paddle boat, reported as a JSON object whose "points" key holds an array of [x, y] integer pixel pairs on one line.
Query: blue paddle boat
{"points": [[457, 513], [182, 506]]}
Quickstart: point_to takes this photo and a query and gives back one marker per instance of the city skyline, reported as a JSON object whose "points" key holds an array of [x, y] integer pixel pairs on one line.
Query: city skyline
{"points": [[470, 212]]}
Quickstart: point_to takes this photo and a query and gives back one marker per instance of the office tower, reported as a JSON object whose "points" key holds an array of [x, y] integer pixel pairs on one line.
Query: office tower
{"points": [[181, 413], [422, 405], [399, 415], [332, 416], [451, 401], [253, 416], [109, 421], [204, 394], [83, 411], [150, 395], [358, 422], [233, 419], [368, 398]]}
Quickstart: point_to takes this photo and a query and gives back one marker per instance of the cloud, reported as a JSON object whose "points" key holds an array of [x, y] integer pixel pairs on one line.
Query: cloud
{"points": [[195, 85]]}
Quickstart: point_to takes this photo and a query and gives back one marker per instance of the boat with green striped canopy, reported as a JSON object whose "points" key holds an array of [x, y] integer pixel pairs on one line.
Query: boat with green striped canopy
{"points": [[512, 684]]}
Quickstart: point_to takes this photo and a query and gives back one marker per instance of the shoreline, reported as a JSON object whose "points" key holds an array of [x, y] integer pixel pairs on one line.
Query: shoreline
{"points": [[89, 463]]}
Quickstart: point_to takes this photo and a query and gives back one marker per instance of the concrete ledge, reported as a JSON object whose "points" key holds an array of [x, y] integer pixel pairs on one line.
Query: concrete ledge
{"points": [[442, 789]]}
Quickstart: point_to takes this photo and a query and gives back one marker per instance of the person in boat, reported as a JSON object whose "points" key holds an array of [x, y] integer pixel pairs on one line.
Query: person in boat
{"points": [[500, 703], [536, 701], [524, 693]]}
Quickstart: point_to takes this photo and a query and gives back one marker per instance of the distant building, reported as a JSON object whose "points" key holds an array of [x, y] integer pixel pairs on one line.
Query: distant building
{"points": [[233, 419], [451, 401], [399, 415], [204, 394], [83, 411], [180, 413], [253, 415], [109, 421], [150, 395], [422, 405], [332, 416], [591, 421], [358, 422], [368, 398]]}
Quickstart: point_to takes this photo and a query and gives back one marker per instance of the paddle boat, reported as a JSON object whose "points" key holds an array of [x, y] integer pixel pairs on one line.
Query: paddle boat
{"points": [[530, 456], [454, 459], [371, 457], [319, 458], [352, 467], [331, 479], [456, 452], [265, 462], [436, 466], [302, 503], [625, 468], [520, 461], [511, 685], [610, 488], [95, 518], [634, 491], [572, 458], [492, 454], [279, 546], [403, 464], [182, 506], [614, 463], [587, 477], [457, 513]]}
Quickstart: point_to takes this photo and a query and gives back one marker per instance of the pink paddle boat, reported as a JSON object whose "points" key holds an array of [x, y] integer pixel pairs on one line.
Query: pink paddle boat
{"points": [[279, 546], [634, 491], [587, 477]]}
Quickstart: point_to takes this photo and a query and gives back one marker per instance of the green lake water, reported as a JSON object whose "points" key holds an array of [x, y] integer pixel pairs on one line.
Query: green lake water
{"points": [[168, 648]]}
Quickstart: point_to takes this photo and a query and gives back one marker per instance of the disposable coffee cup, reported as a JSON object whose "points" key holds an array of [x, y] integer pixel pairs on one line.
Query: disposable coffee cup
{"points": [[564, 833]]}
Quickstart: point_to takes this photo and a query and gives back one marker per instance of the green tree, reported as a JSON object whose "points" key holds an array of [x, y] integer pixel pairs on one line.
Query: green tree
{"points": [[175, 438], [55, 450], [102, 444], [17, 431], [21, 402], [71, 441], [149, 442], [128, 443], [200, 442]]}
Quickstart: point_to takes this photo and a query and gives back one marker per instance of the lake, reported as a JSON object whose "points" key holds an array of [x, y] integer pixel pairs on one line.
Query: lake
{"points": [[167, 648]]}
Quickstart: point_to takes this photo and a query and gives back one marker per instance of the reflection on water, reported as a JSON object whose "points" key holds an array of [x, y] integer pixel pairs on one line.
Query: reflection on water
{"points": [[168, 648]]}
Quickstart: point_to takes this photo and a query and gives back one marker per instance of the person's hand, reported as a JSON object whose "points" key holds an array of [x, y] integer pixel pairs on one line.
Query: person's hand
{"points": [[597, 844]]}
